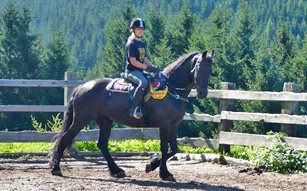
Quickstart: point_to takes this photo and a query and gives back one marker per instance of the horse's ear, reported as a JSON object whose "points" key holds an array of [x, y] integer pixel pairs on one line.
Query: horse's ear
{"points": [[212, 53], [205, 54]]}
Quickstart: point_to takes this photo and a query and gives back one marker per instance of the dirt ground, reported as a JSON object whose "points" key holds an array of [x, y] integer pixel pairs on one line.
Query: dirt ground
{"points": [[91, 173]]}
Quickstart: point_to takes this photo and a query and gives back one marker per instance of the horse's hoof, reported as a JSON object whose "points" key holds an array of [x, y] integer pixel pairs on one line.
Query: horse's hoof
{"points": [[56, 173], [120, 174], [148, 168], [169, 179]]}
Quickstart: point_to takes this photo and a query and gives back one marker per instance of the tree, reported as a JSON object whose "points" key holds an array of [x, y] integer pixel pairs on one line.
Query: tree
{"points": [[181, 31], [299, 67], [163, 54], [21, 55], [154, 31], [113, 53], [243, 47], [283, 54], [58, 58], [57, 62], [219, 39]]}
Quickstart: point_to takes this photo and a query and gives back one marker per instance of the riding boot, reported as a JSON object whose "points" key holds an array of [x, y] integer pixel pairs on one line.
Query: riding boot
{"points": [[135, 110]]}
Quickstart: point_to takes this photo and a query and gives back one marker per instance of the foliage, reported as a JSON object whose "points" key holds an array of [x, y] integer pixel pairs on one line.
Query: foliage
{"points": [[53, 126], [278, 156], [259, 45], [25, 147], [22, 56], [113, 53], [114, 146], [136, 146]]}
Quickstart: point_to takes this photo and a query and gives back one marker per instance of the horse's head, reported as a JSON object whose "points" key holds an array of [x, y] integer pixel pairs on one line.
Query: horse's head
{"points": [[201, 73]]}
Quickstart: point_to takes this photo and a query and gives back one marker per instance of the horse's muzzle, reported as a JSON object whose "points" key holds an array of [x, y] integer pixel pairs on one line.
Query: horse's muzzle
{"points": [[202, 94]]}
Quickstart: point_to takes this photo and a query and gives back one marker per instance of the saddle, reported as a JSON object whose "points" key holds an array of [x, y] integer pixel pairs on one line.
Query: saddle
{"points": [[157, 86]]}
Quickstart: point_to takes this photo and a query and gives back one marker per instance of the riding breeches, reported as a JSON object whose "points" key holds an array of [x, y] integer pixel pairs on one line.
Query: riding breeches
{"points": [[138, 78]]}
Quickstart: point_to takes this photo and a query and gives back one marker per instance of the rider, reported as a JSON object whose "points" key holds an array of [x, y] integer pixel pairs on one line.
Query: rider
{"points": [[136, 63]]}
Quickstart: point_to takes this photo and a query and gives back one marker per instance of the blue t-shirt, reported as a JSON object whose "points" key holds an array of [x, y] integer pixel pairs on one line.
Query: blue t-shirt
{"points": [[135, 48]]}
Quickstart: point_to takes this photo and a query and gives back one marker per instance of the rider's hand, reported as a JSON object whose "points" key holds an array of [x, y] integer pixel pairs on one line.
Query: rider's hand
{"points": [[152, 69]]}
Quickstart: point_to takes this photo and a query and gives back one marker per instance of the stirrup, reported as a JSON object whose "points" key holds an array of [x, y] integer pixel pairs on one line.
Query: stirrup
{"points": [[137, 113]]}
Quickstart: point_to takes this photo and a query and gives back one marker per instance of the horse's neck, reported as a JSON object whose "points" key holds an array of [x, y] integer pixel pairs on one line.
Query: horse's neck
{"points": [[181, 80]]}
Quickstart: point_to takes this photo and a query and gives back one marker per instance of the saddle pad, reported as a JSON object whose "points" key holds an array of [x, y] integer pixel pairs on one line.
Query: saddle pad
{"points": [[158, 94], [119, 85]]}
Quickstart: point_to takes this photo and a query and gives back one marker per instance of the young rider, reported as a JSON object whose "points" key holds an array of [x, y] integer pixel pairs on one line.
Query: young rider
{"points": [[136, 63]]}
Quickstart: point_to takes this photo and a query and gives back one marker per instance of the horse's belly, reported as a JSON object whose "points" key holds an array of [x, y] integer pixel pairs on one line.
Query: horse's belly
{"points": [[117, 108]]}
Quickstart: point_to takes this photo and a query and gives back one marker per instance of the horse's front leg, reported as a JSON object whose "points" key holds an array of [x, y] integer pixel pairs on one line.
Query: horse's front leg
{"points": [[156, 161], [105, 126], [167, 135]]}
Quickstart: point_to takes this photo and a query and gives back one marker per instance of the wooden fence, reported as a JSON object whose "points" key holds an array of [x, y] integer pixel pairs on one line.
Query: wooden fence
{"points": [[288, 117]]}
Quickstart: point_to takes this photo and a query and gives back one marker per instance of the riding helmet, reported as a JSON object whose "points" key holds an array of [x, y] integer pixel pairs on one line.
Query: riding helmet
{"points": [[137, 23]]}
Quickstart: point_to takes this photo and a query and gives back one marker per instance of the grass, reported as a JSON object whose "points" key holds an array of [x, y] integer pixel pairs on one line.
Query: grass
{"points": [[25, 147], [114, 146]]}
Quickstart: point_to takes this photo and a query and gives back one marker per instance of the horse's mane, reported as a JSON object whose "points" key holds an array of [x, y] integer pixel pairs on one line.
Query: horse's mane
{"points": [[178, 63]]}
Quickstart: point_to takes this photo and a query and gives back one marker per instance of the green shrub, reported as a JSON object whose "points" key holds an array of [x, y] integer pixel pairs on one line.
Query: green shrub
{"points": [[278, 156], [53, 126], [241, 152]]}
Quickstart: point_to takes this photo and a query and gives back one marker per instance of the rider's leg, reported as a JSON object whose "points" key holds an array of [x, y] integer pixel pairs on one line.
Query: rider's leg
{"points": [[138, 78]]}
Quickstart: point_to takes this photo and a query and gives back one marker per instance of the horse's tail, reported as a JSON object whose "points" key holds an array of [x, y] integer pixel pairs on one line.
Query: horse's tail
{"points": [[68, 120]]}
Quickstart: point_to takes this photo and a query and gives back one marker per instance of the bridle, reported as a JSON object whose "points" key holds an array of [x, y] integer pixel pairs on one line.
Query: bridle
{"points": [[195, 72]]}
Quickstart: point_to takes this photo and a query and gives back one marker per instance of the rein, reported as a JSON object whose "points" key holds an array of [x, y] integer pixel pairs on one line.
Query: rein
{"points": [[197, 59], [177, 96], [173, 93], [195, 68]]}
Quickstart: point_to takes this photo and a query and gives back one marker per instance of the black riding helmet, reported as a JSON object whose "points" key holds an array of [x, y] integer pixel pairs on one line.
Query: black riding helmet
{"points": [[137, 23]]}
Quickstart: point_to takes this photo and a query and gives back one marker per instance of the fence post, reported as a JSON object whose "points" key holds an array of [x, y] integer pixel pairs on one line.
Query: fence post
{"points": [[226, 105], [67, 94], [68, 90], [291, 108]]}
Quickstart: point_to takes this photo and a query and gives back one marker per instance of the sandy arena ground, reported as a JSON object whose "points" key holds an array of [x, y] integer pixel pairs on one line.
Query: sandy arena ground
{"points": [[91, 173]]}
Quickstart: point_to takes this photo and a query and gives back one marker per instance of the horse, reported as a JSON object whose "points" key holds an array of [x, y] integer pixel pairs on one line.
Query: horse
{"points": [[92, 101]]}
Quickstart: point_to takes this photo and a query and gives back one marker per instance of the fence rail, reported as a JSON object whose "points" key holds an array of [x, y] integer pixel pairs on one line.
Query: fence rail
{"points": [[288, 118], [221, 94], [40, 83], [230, 138], [91, 135], [265, 117]]}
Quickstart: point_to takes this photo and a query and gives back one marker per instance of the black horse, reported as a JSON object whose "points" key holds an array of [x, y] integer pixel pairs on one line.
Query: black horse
{"points": [[92, 101]]}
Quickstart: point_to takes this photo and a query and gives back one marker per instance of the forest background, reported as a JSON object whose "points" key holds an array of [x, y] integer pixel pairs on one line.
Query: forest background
{"points": [[259, 44]]}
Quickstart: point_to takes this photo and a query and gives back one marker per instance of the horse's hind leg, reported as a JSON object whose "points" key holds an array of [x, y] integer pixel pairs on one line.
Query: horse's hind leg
{"points": [[65, 141], [105, 125]]}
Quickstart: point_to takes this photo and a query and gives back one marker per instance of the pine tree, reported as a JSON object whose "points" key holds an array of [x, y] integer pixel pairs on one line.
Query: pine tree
{"points": [[284, 52], [219, 39], [163, 54], [198, 40], [20, 58], [181, 31], [299, 68], [57, 62], [58, 58], [113, 53], [155, 30], [243, 45], [8, 41]]}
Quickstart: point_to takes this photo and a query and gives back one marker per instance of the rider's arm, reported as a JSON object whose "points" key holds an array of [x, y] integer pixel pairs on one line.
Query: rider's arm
{"points": [[147, 62], [136, 63]]}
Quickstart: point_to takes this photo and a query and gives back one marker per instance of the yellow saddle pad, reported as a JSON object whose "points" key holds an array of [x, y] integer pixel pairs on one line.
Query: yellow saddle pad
{"points": [[158, 94]]}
